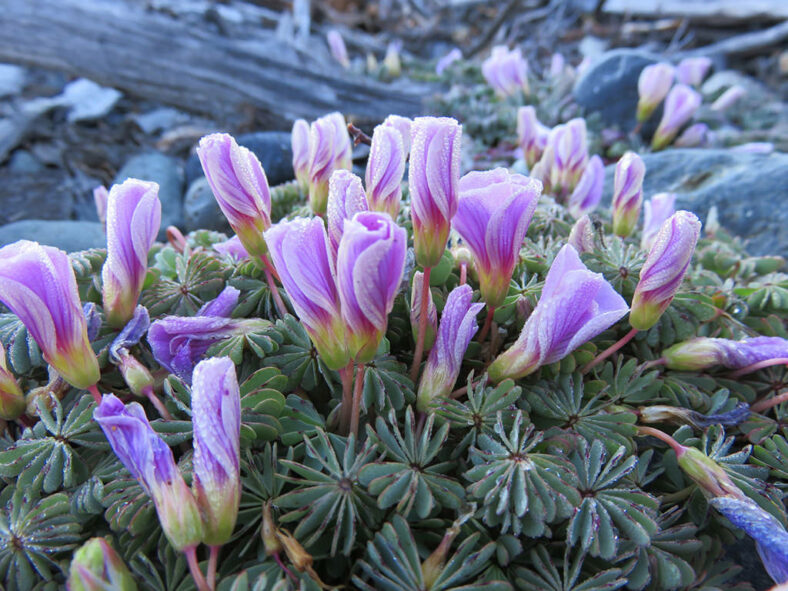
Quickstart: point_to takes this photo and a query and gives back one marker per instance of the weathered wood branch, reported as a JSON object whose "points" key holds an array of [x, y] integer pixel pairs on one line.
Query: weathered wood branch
{"points": [[746, 42], [152, 55]]}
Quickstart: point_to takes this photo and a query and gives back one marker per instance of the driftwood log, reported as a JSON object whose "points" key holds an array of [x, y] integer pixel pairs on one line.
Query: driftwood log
{"points": [[151, 55]]}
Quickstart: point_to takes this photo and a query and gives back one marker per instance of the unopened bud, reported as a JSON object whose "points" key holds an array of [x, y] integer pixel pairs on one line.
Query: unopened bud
{"points": [[706, 473], [97, 567]]}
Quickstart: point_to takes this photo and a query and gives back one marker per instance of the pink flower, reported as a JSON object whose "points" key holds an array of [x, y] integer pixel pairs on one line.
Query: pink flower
{"points": [[385, 169]]}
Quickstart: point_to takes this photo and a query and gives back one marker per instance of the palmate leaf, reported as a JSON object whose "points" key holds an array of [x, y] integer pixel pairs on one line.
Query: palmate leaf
{"points": [[628, 383], [46, 456], [543, 574], [267, 576], [256, 299], [561, 404], [479, 413], [34, 532], [619, 262], [296, 357], [611, 509], [411, 480], [329, 499], [23, 352], [773, 454], [518, 487], [392, 563], [175, 573], [185, 283], [386, 385]]}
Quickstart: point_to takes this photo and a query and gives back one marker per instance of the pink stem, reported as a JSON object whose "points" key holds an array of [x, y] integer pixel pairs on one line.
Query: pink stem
{"points": [[346, 374], [425, 300], [283, 567], [163, 412], [191, 558], [269, 277], [759, 365], [487, 323], [463, 273], [212, 562], [358, 391], [96, 394], [768, 403], [662, 436], [653, 363], [610, 350]]}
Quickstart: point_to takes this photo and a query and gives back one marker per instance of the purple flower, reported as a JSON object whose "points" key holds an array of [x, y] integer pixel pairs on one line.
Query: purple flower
{"points": [[216, 416], [150, 461], [581, 236], [133, 220], [301, 254], [696, 134], [345, 199], [458, 325], [557, 65], [666, 264], [495, 209], [401, 124], [576, 305], [433, 180], [12, 399], [385, 168], [692, 70], [370, 262], [447, 60], [299, 139], [655, 212], [680, 106], [703, 352], [232, 248], [38, 284], [653, 85], [100, 197], [770, 536], [337, 47], [728, 98], [531, 135], [506, 71], [588, 191], [329, 150], [179, 342], [570, 154], [416, 294], [238, 182], [627, 193]]}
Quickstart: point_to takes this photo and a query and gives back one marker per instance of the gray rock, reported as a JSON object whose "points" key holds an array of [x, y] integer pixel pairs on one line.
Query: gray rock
{"points": [[160, 119], [610, 86], [45, 195], [86, 100], [272, 148], [156, 167], [748, 190], [12, 79], [200, 210], [24, 161], [68, 235]]}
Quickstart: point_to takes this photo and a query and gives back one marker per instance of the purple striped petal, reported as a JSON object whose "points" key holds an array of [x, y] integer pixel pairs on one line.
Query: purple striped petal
{"points": [[532, 135], [627, 193], [581, 237], [385, 168], [216, 415], [299, 140], [680, 106], [655, 212], [653, 85], [370, 263], [346, 198], [457, 327], [133, 221], [401, 124], [300, 252], [416, 295], [233, 248], [38, 284], [692, 70], [222, 305], [588, 192], [433, 182]]}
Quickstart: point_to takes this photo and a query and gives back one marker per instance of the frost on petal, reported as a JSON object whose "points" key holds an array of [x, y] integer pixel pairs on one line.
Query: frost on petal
{"points": [[346, 198]]}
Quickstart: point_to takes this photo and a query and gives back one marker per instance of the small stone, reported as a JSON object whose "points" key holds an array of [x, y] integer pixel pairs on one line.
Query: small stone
{"points": [[162, 169], [87, 100], [742, 185], [200, 209], [12, 79], [24, 161], [160, 119], [68, 235], [44, 194], [272, 148], [610, 86]]}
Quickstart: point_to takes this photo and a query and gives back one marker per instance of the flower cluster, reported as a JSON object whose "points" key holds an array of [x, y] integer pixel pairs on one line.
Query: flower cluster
{"points": [[506, 71]]}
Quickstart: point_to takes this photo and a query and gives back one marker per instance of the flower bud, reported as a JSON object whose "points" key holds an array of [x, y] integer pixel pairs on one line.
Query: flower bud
{"points": [[240, 187], [447, 60], [531, 135], [588, 191], [299, 139], [570, 155], [97, 567], [12, 399], [692, 355], [655, 212], [385, 169], [402, 125], [582, 235], [627, 193], [100, 198], [692, 70], [133, 220], [506, 71], [728, 98], [695, 135], [137, 377], [336, 44], [431, 328], [433, 182], [370, 263], [216, 415], [458, 325], [680, 105], [391, 61], [653, 85], [329, 150], [706, 473], [345, 199], [666, 264]]}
